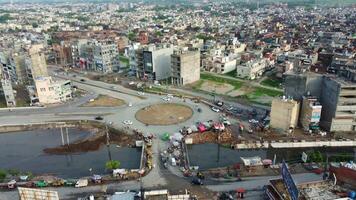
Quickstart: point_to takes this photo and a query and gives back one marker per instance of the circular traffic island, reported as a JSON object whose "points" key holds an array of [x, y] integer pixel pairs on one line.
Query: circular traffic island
{"points": [[164, 114]]}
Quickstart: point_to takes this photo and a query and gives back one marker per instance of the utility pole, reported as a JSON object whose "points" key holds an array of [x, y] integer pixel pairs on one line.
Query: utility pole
{"points": [[62, 136], [67, 136], [108, 142]]}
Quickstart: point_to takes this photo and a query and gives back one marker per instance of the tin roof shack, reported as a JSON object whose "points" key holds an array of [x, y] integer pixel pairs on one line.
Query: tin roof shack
{"points": [[319, 190], [252, 163]]}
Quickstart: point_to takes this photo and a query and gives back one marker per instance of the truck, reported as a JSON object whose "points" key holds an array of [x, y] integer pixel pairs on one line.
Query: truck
{"points": [[81, 183]]}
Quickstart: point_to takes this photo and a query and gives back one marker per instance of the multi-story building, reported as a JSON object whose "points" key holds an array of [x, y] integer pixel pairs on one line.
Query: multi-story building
{"points": [[106, 56], [36, 64], [310, 113], [50, 91], [338, 98], [251, 69], [284, 114], [154, 62], [143, 37], [185, 67], [8, 92], [63, 54]]}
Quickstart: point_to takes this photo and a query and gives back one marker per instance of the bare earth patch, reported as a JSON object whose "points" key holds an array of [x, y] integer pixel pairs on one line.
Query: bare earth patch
{"points": [[164, 114], [219, 88], [104, 101]]}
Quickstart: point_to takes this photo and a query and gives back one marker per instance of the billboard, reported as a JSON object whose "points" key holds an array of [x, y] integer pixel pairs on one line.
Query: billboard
{"points": [[37, 194], [289, 182]]}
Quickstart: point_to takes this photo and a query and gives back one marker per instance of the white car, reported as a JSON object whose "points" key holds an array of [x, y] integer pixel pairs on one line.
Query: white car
{"points": [[141, 93], [127, 122], [130, 104], [166, 99], [215, 109], [253, 121], [132, 83]]}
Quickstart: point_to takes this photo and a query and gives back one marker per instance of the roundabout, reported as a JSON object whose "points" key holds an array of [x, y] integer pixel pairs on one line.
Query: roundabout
{"points": [[164, 114]]}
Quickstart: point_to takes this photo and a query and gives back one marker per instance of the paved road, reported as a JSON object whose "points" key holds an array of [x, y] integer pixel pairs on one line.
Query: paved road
{"points": [[72, 111]]}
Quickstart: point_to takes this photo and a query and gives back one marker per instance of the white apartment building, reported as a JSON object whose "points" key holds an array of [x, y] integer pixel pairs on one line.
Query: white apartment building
{"points": [[106, 56], [154, 62], [50, 91], [251, 69]]}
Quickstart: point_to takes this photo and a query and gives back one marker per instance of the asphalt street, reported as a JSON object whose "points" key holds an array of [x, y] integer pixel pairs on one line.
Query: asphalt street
{"points": [[116, 115]]}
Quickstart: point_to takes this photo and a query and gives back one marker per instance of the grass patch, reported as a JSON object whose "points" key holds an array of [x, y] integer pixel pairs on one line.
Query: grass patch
{"points": [[237, 84], [233, 73], [104, 101], [259, 91], [124, 60], [272, 82]]}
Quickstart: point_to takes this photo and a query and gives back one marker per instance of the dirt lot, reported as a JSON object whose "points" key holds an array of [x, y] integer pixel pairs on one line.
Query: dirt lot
{"points": [[94, 143], [164, 114], [219, 88], [104, 101]]}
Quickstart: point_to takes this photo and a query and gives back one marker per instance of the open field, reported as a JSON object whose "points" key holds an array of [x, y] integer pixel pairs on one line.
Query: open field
{"points": [[104, 101], [164, 114], [236, 88]]}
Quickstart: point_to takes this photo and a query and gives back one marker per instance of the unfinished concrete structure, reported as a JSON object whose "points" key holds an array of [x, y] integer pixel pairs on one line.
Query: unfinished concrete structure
{"points": [[338, 98], [185, 67], [37, 66], [310, 113], [284, 114]]}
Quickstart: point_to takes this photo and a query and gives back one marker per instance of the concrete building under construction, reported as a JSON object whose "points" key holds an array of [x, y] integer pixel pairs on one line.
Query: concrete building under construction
{"points": [[310, 113], [284, 114], [185, 67]]}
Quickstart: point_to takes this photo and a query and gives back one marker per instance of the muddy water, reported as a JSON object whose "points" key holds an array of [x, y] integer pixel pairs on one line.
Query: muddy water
{"points": [[24, 151], [208, 156]]}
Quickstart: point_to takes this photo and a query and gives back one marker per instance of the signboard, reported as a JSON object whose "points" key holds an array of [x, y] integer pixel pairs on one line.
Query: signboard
{"points": [[289, 182], [37, 194], [304, 157]]}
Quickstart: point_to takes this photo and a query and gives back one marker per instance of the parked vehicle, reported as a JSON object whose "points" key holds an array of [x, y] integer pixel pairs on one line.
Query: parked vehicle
{"points": [[82, 80], [58, 182], [197, 181], [96, 179], [69, 183], [215, 109], [219, 103], [81, 183], [41, 183]]}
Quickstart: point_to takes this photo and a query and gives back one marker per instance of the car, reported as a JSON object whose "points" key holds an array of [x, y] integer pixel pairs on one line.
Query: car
{"points": [[166, 99], [215, 109], [127, 122], [219, 103], [130, 104], [141, 93], [170, 95], [200, 110], [82, 80], [197, 181], [99, 118], [113, 87], [253, 121]]}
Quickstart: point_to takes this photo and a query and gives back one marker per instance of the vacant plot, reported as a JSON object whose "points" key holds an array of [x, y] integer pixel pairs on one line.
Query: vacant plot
{"points": [[104, 101], [164, 114], [218, 88], [272, 82], [235, 83]]}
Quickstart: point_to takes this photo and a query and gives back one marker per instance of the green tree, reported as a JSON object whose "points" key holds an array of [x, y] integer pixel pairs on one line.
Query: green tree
{"points": [[2, 174], [112, 164], [131, 36], [13, 172]]}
